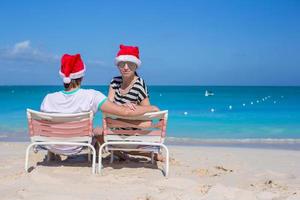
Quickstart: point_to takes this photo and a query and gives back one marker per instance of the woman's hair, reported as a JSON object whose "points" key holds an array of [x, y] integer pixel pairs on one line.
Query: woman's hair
{"points": [[73, 84], [135, 73]]}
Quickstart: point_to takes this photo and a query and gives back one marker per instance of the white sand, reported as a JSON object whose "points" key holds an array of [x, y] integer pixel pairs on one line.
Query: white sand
{"points": [[195, 173]]}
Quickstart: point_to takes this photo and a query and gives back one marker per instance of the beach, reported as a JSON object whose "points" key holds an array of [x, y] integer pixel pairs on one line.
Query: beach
{"points": [[196, 172], [224, 74]]}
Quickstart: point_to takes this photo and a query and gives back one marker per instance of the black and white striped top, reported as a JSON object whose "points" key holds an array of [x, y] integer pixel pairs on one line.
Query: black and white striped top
{"points": [[136, 94]]}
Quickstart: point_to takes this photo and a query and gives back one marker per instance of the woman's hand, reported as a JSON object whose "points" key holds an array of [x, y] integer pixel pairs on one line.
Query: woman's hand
{"points": [[154, 109]]}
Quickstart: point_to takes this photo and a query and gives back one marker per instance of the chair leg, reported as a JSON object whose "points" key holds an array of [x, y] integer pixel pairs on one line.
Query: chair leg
{"points": [[94, 161], [26, 160], [166, 168], [100, 158], [66, 143], [27, 156], [93, 157], [111, 157]]}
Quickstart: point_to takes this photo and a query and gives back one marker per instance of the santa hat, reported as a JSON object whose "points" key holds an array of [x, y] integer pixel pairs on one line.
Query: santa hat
{"points": [[128, 54], [72, 67]]}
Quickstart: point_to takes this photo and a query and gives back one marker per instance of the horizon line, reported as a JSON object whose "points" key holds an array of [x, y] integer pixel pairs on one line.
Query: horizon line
{"points": [[163, 85]]}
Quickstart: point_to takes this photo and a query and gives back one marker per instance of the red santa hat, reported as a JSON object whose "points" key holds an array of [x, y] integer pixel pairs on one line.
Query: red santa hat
{"points": [[72, 67], [128, 54]]}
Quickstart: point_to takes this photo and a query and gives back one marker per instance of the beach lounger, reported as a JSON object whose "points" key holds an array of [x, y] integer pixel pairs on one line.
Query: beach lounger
{"points": [[137, 138], [51, 129]]}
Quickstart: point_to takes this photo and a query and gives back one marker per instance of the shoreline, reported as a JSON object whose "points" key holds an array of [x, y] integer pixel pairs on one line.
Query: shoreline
{"points": [[263, 143], [255, 143]]}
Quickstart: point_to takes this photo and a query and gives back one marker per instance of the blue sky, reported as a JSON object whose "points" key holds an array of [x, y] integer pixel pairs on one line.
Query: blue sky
{"points": [[181, 42]]}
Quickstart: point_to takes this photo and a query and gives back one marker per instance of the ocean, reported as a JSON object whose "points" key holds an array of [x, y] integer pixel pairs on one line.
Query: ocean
{"points": [[240, 114]]}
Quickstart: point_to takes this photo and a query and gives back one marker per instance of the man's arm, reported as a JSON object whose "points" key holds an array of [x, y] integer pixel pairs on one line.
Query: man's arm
{"points": [[114, 109]]}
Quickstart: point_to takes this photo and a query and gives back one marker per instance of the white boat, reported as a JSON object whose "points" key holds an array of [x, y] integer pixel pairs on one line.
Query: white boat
{"points": [[208, 93]]}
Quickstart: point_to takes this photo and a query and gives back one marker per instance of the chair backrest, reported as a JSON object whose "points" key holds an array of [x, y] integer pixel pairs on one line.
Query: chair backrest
{"points": [[60, 125], [126, 127]]}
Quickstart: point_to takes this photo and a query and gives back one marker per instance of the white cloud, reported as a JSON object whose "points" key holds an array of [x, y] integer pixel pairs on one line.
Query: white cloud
{"points": [[23, 51], [21, 46]]}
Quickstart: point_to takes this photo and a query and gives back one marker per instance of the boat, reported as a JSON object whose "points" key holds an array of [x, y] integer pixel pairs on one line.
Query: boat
{"points": [[208, 93]]}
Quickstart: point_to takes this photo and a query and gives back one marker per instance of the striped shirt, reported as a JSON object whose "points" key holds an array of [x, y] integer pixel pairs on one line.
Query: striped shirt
{"points": [[136, 94]]}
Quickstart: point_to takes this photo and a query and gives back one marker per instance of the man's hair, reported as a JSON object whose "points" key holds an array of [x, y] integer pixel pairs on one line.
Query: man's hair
{"points": [[74, 83]]}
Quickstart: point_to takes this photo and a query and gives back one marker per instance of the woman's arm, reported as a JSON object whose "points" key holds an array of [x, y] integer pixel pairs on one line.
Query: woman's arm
{"points": [[112, 108], [145, 102], [111, 94]]}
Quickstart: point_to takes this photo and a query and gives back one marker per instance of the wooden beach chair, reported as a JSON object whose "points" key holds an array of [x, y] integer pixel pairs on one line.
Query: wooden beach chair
{"points": [[116, 137], [60, 129]]}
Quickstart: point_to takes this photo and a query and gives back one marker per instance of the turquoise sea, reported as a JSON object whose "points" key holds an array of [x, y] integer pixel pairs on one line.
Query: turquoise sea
{"points": [[272, 117]]}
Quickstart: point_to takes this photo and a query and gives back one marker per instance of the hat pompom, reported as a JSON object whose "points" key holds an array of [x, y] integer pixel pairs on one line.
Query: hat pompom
{"points": [[67, 80]]}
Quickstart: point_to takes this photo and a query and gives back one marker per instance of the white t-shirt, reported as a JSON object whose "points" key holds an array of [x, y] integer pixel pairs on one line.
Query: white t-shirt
{"points": [[76, 101]]}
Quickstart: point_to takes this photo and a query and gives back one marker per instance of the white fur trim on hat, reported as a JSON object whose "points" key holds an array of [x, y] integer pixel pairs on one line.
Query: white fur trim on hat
{"points": [[77, 74], [128, 58], [72, 75]]}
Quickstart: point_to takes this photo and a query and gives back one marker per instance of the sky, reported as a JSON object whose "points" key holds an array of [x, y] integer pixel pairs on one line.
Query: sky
{"points": [[184, 42]]}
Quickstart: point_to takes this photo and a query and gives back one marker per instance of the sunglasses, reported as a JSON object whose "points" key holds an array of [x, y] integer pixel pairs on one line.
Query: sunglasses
{"points": [[130, 65]]}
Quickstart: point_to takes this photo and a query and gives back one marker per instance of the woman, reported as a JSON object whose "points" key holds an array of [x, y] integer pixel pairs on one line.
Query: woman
{"points": [[129, 89]]}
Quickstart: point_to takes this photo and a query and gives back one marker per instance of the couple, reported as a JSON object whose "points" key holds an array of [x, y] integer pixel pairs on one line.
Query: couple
{"points": [[127, 96]]}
